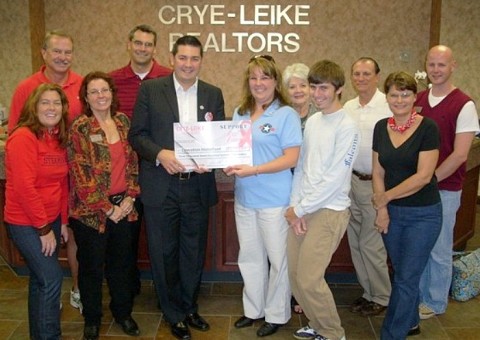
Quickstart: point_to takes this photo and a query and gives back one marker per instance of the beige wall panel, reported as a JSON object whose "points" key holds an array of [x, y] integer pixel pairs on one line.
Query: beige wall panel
{"points": [[461, 31], [15, 53]]}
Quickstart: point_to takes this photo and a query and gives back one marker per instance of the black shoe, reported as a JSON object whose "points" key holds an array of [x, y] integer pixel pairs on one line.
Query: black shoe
{"points": [[414, 331], [129, 326], [244, 322], [180, 331], [90, 332], [196, 321], [268, 328], [372, 309], [358, 305]]}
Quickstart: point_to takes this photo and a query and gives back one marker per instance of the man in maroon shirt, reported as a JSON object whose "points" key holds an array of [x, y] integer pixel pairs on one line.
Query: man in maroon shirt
{"points": [[141, 47]]}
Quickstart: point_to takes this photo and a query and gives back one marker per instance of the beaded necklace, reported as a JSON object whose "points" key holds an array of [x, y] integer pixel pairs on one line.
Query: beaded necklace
{"points": [[404, 127]]}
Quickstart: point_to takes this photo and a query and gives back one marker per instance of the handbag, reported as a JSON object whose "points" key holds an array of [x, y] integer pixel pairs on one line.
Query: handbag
{"points": [[466, 276]]}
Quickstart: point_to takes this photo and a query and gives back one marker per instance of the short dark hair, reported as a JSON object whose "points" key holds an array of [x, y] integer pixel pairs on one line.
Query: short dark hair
{"points": [[402, 81], [187, 40], [377, 67], [326, 71], [86, 110], [143, 28]]}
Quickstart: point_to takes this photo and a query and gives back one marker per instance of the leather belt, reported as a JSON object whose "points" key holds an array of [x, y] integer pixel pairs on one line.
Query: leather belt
{"points": [[185, 176], [362, 177], [117, 198]]}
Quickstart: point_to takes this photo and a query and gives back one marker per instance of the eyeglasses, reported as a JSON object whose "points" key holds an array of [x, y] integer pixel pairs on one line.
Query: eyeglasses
{"points": [[403, 95], [139, 43], [99, 92], [263, 56]]}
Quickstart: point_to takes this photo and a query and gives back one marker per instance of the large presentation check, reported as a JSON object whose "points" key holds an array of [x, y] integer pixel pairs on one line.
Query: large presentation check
{"points": [[213, 145]]}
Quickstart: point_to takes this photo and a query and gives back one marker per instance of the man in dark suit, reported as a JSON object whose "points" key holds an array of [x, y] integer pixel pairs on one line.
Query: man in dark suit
{"points": [[176, 202]]}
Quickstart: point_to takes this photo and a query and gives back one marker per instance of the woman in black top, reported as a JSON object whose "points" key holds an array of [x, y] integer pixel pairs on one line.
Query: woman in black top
{"points": [[407, 200]]}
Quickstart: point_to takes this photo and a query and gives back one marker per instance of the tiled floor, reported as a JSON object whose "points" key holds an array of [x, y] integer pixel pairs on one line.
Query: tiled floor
{"points": [[221, 305]]}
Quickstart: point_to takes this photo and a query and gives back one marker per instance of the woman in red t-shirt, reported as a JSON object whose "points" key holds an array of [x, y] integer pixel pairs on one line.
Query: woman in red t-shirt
{"points": [[36, 201], [103, 175]]}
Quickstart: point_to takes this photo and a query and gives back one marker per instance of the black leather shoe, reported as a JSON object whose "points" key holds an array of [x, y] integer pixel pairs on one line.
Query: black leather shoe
{"points": [[90, 332], [129, 326], [196, 321], [244, 322], [180, 331], [414, 331], [268, 328], [358, 305]]}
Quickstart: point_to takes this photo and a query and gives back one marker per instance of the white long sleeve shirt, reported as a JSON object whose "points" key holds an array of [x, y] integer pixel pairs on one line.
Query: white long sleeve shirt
{"points": [[323, 173]]}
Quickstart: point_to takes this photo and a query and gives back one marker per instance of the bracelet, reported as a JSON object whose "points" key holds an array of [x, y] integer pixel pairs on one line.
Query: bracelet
{"points": [[113, 210], [256, 171], [44, 230]]}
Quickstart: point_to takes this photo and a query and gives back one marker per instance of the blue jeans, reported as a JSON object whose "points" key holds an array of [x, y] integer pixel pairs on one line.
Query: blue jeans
{"points": [[437, 276], [45, 281], [412, 233]]}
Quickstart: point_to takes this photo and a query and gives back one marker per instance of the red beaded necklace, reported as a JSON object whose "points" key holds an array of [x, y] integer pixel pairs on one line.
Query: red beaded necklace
{"points": [[404, 127]]}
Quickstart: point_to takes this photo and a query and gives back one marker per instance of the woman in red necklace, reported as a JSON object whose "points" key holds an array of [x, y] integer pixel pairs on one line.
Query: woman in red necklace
{"points": [[407, 200]]}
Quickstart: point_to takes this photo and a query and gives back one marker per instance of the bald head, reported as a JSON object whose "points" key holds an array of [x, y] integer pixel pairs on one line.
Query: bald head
{"points": [[440, 65], [440, 50]]}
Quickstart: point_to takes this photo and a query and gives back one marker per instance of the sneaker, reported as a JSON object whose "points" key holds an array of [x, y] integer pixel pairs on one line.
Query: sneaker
{"points": [[305, 333], [321, 337], [425, 312], [75, 300]]}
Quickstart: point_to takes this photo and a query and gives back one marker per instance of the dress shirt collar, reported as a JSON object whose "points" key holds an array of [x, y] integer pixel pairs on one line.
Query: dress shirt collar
{"points": [[179, 87]]}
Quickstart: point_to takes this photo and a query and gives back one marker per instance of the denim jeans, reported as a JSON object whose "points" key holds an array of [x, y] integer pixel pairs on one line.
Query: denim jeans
{"points": [[437, 276], [412, 233], [45, 281]]}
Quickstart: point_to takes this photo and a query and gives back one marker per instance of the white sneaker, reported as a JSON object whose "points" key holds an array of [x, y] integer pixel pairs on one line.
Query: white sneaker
{"points": [[75, 301], [425, 312], [305, 333], [321, 337]]}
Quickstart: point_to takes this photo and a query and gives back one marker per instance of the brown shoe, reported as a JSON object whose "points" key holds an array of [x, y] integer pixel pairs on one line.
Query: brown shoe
{"points": [[372, 309], [357, 305]]}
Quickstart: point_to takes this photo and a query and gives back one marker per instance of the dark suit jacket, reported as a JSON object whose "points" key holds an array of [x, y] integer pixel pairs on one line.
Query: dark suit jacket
{"points": [[155, 111]]}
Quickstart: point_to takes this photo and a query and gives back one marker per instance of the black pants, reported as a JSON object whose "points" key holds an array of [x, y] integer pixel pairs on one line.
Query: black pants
{"points": [[136, 229], [111, 254], [177, 237]]}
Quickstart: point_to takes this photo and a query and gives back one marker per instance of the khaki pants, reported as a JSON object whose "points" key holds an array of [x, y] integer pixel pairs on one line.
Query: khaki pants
{"points": [[308, 257]]}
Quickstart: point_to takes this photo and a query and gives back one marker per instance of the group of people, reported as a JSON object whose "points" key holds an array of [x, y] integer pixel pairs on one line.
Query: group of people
{"points": [[385, 168], [415, 174]]}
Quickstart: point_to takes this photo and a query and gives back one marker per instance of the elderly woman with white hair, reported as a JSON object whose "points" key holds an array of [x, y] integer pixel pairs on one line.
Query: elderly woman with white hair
{"points": [[298, 89]]}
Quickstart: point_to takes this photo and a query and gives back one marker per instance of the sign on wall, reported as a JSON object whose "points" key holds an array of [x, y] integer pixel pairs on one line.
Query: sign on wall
{"points": [[244, 16]]}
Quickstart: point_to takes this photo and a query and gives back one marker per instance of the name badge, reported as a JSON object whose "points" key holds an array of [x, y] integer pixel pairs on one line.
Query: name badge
{"points": [[96, 138]]}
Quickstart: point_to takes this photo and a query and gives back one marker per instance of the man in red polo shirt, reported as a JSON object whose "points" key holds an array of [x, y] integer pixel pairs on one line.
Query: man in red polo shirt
{"points": [[57, 53], [141, 47]]}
